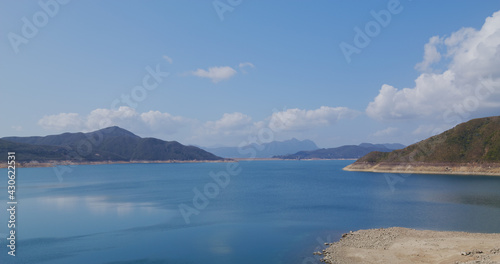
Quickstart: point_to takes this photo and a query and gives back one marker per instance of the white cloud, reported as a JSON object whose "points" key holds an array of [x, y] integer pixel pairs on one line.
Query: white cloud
{"points": [[216, 74], [157, 119], [234, 128], [168, 59], [244, 65], [300, 119], [228, 122], [230, 129], [100, 118], [124, 116], [386, 132], [62, 121], [431, 54], [468, 87]]}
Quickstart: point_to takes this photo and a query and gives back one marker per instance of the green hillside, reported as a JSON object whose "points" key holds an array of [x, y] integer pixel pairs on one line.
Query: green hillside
{"points": [[109, 144], [27, 152], [475, 141]]}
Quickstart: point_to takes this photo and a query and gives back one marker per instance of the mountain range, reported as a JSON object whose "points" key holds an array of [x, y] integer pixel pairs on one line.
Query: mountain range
{"points": [[343, 152], [117, 144], [108, 144], [266, 150]]}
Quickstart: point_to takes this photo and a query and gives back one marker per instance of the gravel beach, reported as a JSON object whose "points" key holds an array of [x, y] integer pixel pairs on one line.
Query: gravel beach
{"points": [[403, 245]]}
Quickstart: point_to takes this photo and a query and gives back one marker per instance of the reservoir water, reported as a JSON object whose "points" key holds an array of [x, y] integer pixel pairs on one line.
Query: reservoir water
{"points": [[251, 212]]}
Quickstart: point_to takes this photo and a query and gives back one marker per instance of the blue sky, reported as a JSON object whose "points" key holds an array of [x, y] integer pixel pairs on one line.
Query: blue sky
{"points": [[231, 79]]}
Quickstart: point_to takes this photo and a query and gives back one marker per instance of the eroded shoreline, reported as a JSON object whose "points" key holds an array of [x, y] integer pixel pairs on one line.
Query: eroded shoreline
{"points": [[419, 168], [36, 164], [403, 245]]}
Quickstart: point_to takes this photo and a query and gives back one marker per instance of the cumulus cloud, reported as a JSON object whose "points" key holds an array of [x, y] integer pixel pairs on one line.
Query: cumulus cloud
{"points": [[157, 120], [124, 116], [234, 128], [168, 59], [431, 54], [244, 65], [62, 121], [100, 118], [229, 123], [301, 119], [216, 74], [468, 86], [386, 132], [230, 129]]}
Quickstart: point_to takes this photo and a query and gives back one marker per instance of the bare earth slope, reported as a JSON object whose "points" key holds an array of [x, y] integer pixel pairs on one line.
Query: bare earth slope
{"points": [[402, 245]]}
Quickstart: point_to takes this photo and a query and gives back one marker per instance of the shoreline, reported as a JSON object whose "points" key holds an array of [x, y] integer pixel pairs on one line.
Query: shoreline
{"points": [[270, 159], [36, 164], [417, 168], [403, 245]]}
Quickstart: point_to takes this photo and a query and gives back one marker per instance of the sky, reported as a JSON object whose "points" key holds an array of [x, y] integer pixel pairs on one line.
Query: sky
{"points": [[231, 72]]}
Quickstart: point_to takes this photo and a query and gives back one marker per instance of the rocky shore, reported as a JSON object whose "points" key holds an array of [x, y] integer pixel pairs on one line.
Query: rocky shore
{"points": [[403, 245], [492, 169]]}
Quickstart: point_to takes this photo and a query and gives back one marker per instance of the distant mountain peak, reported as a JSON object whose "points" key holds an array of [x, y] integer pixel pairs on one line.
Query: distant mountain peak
{"points": [[342, 152], [115, 131], [265, 150]]}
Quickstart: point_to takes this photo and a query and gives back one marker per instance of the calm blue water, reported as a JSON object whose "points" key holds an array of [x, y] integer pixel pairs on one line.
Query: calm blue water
{"points": [[269, 212]]}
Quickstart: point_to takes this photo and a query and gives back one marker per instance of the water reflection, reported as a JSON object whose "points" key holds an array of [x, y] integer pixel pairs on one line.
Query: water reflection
{"points": [[97, 205], [220, 243], [61, 203], [65, 216], [271, 213], [472, 199]]}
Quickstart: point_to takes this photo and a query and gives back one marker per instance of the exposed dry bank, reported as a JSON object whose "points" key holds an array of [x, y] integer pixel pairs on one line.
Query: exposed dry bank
{"points": [[403, 245], [36, 164], [492, 169], [468, 148]]}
